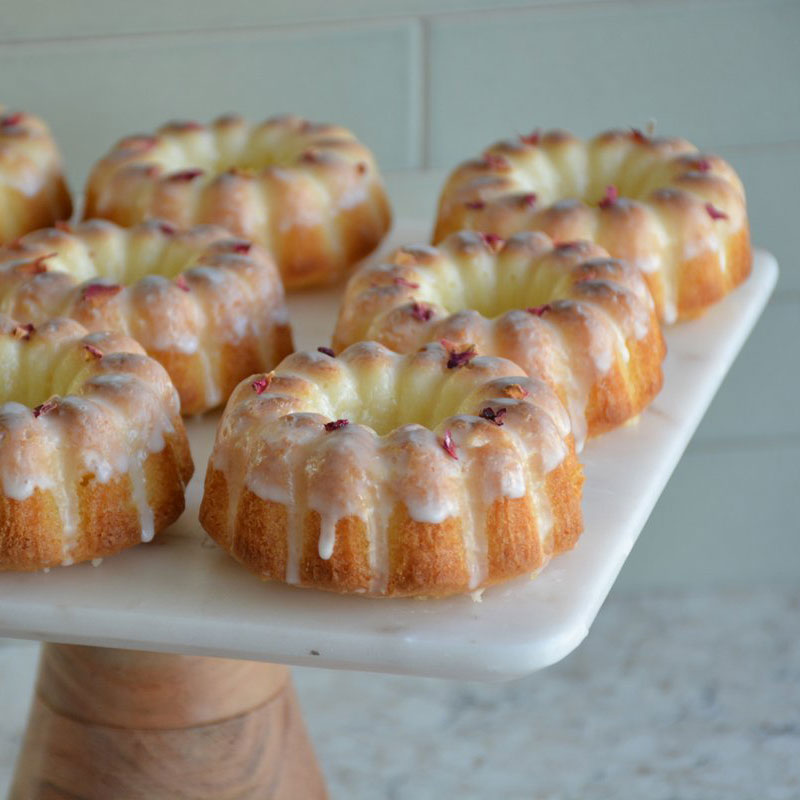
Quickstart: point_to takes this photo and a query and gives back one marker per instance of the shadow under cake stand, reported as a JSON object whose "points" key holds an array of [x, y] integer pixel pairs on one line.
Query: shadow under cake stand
{"points": [[163, 675]]}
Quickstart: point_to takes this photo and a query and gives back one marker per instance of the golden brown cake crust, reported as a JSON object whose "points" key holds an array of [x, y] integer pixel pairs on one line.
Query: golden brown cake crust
{"points": [[206, 305], [101, 463], [33, 191], [310, 193], [473, 480], [568, 314], [674, 212]]}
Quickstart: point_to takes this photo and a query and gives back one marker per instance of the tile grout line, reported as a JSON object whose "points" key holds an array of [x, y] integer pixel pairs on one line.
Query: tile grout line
{"points": [[564, 6]]}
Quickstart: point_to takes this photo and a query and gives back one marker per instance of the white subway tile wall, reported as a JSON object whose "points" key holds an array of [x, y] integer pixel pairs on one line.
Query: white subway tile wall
{"points": [[426, 84]]}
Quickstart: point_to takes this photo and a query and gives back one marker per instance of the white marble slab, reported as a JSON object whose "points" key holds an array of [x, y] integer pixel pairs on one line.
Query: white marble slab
{"points": [[182, 594]]}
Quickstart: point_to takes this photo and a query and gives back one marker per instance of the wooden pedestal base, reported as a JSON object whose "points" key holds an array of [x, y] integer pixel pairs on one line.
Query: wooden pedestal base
{"points": [[117, 725]]}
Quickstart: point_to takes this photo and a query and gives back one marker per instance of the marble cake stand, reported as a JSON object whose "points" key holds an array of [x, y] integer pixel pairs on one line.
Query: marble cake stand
{"points": [[163, 675]]}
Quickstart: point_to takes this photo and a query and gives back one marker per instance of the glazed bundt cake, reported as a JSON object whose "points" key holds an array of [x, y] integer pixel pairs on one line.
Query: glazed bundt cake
{"points": [[208, 306], [568, 314], [674, 212], [93, 453], [33, 191], [383, 474], [310, 193]]}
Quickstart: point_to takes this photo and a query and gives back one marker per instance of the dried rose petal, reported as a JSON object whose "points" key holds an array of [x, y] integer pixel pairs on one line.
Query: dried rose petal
{"points": [[185, 175], [260, 385], [44, 408], [327, 351], [23, 332], [98, 290], [361, 167], [534, 137], [61, 225], [240, 247], [401, 281], [610, 197], [475, 205], [540, 311], [494, 161], [702, 165], [93, 351], [336, 424], [515, 391], [492, 415], [9, 120], [639, 136], [458, 358], [529, 199], [421, 312], [166, 228], [714, 212], [182, 283], [493, 241], [310, 157], [449, 446]]}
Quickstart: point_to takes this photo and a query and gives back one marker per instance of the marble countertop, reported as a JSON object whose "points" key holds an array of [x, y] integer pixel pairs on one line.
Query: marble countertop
{"points": [[673, 696]]}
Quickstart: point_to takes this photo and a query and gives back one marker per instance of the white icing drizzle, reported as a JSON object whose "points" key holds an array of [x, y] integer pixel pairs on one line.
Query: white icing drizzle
{"points": [[276, 447]]}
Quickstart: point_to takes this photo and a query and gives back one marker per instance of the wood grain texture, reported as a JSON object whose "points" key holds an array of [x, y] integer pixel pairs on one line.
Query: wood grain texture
{"points": [[121, 725]]}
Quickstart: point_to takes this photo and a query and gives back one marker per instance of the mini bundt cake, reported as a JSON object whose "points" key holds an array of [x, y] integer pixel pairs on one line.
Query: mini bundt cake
{"points": [[310, 193], [33, 191], [384, 474], [209, 307], [93, 453], [569, 315], [674, 212]]}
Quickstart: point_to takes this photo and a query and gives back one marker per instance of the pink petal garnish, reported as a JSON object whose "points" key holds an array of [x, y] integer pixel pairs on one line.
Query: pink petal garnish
{"points": [[9, 120], [493, 241], [449, 446], [98, 290], [421, 312], [401, 281], [714, 212], [310, 157], [361, 167], [44, 408], [327, 351], [532, 138], [182, 283], [260, 385], [336, 424], [611, 196], [529, 199], [475, 205], [93, 351], [493, 416], [185, 175], [166, 228], [240, 247], [458, 358], [540, 310], [23, 332], [639, 136], [702, 165], [494, 161]]}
